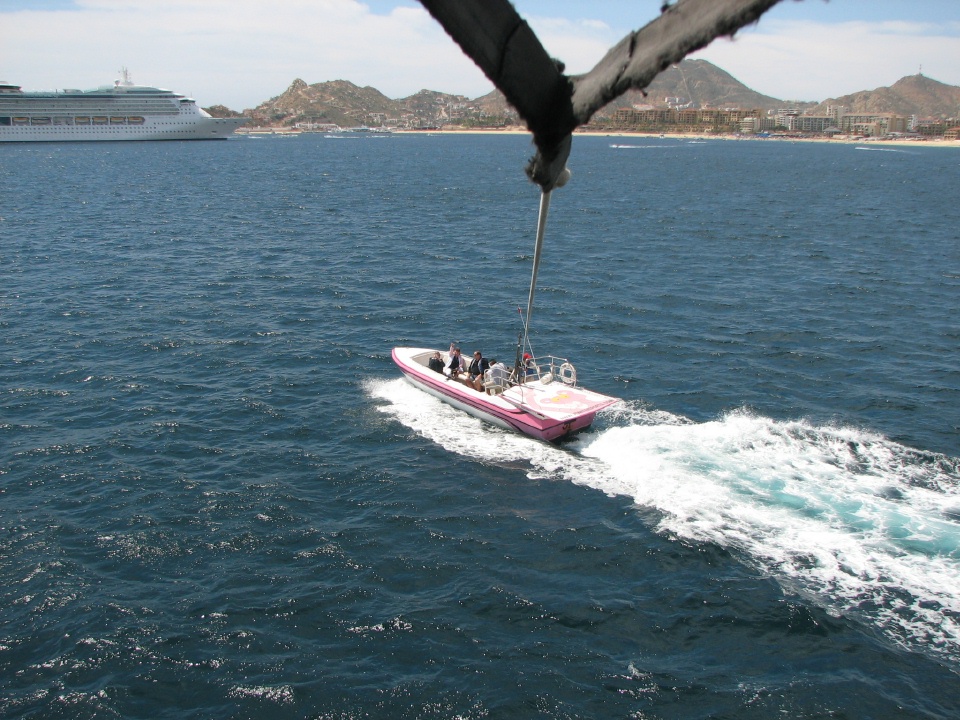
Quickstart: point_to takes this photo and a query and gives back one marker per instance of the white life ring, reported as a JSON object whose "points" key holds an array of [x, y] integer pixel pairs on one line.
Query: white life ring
{"points": [[568, 374]]}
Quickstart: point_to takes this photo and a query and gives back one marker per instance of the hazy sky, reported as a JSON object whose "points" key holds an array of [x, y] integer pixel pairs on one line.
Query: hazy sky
{"points": [[241, 52]]}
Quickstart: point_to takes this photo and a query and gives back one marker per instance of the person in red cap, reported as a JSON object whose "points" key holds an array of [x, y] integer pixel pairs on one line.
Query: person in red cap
{"points": [[529, 366]]}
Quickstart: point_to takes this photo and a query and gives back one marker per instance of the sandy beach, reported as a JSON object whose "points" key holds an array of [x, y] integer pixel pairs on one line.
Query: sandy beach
{"points": [[837, 140]]}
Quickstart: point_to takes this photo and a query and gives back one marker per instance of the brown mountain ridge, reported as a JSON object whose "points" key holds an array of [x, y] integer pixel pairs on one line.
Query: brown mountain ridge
{"points": [[911, 95], [691, 83]]}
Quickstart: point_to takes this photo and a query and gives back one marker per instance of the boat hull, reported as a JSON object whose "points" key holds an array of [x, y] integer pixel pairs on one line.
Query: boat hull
{"points": [[189, 128], [547, 411]]}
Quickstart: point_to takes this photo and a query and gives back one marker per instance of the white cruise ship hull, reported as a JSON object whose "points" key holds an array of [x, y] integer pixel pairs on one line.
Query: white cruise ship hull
{"points": [[150, 129]]}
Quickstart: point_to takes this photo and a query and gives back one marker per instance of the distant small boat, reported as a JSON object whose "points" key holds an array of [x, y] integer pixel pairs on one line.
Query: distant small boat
{"points": [[364, 130]]}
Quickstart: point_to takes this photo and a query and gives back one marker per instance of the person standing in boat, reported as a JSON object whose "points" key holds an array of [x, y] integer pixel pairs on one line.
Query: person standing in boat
{"points": [[475, 373], [529, 366], [498, 377]]}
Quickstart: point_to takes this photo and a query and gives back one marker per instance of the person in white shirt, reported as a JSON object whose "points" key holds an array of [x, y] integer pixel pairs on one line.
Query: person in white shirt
{"points": [[498, 375], [456, 365]]}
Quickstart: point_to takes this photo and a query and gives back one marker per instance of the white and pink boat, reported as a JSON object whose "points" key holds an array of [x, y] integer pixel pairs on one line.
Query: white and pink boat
{"points": [[538, 396], [545, 402]]}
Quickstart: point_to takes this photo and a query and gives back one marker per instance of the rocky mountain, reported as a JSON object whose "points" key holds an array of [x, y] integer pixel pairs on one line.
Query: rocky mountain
{"points": [[338, 101], [912, 95], [691, 83], [342, 103], [222, 111], [700, 84]]}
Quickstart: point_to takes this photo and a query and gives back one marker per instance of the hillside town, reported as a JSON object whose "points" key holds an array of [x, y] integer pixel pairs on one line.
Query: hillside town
{"points": [[790, 122]]}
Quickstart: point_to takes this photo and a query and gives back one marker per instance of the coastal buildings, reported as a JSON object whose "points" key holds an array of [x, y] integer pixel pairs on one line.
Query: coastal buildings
{"points": [[677, 117]]}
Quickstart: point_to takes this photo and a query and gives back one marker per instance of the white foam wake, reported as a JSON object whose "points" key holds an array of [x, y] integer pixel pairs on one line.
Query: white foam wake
{"points": [[858, 524]]}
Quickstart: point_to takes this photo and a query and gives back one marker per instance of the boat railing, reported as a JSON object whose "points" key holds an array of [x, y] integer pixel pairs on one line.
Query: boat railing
{"points": [[548, 368]]}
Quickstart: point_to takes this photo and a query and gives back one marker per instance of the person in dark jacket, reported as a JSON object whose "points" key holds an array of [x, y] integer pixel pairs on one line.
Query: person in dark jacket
{"points": [[436, 363], [476, 370]]}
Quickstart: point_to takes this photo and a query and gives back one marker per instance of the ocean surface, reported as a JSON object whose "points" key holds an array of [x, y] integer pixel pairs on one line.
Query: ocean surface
{"points": [[219, 499]]}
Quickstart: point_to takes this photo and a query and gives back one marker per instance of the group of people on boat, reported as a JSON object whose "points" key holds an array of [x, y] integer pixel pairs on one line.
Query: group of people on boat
{"points": [[483, 375], [480, 374]]}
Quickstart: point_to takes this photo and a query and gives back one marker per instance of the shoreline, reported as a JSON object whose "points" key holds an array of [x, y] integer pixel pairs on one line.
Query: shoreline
{"points": [[842, 140], [628, 134]]}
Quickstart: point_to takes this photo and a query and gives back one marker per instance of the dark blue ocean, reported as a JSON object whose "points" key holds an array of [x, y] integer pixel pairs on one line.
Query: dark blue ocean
{"points": [[218, 498]]}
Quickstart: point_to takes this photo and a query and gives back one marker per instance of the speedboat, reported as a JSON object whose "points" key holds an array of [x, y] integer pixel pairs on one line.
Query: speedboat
{"points": [[543, 400]]}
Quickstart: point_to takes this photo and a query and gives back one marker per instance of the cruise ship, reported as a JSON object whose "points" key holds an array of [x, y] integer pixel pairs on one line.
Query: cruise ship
{"points": [[122, 111]]}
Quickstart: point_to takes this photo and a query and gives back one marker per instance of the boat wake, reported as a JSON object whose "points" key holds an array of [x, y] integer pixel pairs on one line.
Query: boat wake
{"points": [[618, 146], [886, 150], [853, 522]]}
